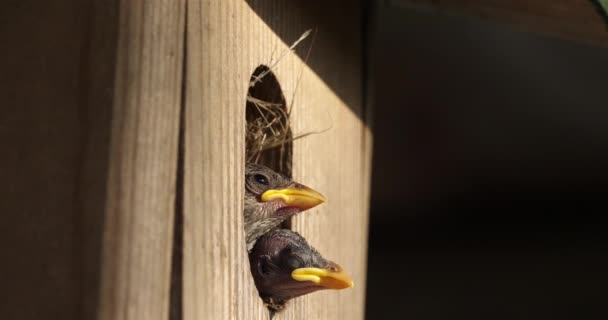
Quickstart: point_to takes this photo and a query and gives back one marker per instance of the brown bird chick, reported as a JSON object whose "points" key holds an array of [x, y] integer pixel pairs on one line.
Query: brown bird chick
{"points": [[285, 266], [270, 198]]}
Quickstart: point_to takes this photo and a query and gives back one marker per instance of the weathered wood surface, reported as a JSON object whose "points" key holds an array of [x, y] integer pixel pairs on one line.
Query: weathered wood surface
{"points": [[91, 124], [143, 161], [226, 41], [577, 20]]}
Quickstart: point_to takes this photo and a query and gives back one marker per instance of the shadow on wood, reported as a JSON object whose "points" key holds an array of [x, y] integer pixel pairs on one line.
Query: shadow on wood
{"points": [[57, 80], [337, 32]]}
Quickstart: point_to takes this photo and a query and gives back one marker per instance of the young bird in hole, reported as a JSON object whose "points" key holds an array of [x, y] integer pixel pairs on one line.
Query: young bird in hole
{"points": [[270, 198], [285, 266]]}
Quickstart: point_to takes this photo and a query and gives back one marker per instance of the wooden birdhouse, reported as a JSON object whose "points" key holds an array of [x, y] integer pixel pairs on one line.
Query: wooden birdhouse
{"points": [[129, 128], [126, 126]]}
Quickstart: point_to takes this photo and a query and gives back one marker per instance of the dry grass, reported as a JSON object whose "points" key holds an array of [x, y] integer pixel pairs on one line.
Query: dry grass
{"points": [[268, 124], [268, 130]]}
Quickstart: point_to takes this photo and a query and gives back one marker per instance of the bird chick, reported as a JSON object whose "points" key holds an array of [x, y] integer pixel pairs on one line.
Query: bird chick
{"points": [[285, 266], [270, 198]]}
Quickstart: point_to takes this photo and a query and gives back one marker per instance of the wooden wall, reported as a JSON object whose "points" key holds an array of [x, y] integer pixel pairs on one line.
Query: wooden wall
{"points": [[336, 162], [121, 117], [142, 185]]}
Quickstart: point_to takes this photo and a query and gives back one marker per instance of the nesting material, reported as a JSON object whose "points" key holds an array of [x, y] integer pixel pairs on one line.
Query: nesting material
{"points": [[269, 137]]}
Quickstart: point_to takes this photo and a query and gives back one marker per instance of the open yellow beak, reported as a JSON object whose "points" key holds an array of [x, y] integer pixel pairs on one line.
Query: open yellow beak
{"points": [[331, 279], [296, 195]]}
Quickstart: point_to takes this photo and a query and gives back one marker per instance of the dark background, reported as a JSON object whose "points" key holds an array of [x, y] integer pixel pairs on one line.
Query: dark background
{"points": [[490, 171], [490, 177]]}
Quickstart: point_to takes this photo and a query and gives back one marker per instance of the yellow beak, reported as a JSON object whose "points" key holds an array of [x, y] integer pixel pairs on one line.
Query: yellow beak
{"points": [[296, 195], [331, 279]]}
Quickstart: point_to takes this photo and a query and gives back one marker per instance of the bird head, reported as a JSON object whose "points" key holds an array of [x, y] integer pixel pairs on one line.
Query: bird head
{"points": [[285, 266], [270, 198]]}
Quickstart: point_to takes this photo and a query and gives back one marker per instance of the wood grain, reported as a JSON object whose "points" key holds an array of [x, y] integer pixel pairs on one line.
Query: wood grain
{"points": [[94, 93], [576, 20], [227, 40], [143, 161]]}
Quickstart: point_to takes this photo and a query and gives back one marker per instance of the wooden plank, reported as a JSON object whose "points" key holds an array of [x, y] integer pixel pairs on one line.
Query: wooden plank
{"points": [[227, 40], [576, 20], [143, 161], [65, 155]]}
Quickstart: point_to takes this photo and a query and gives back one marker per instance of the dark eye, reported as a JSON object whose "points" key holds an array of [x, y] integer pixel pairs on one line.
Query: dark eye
{"points": [[264, 267], [261, 179], [294, 262]]}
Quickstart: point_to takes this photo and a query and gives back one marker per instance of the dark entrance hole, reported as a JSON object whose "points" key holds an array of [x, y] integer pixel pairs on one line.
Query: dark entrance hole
{"points": [[268, 137]]}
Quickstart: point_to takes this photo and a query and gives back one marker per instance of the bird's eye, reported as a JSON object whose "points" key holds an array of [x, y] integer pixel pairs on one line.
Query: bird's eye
{"points": [[261, 179], [264, 266], [294, 262]]}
